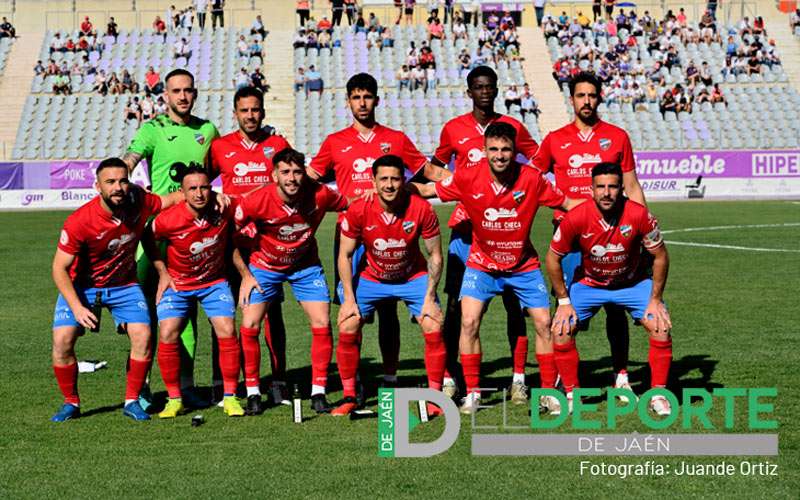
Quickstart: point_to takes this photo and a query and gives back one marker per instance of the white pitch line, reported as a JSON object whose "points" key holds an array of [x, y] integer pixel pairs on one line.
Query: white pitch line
{"points": [[730, 247], [720, 228]]}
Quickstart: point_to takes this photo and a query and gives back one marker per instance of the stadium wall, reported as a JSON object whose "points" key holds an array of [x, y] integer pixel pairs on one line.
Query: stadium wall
{"points": [[664, 175]]}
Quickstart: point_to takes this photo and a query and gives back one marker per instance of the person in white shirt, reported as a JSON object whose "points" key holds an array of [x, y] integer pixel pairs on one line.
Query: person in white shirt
{"points": [[459, 30], [201, 6], [430, 79], [181, 49], [242, 79], [511, 97], [148, 108], [242, 47], [418, 78]]}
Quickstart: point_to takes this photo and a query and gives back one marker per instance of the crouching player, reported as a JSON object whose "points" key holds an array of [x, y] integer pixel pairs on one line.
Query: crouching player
{"points": [[286, 215], [390, 226], [96, 261], [197, 236], [609, 233]]}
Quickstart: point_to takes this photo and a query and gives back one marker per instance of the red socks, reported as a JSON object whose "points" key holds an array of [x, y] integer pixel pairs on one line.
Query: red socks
{"points": [[471, 364], [660, 358], [252, 355], [347, 357], [520, 354], [435, 359], [137, 373], [547, 370], [321, 352], [67, 378], [169, 363], [229, 364], [566, 356]]}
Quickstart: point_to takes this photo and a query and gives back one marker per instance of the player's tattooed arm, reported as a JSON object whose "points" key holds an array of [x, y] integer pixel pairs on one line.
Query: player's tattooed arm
{"points": [[435, 173], [435, 264], [61, 264], [633, 190], [565, 319], [424, 190], [656, 310], [131, 159], [344, 262]]}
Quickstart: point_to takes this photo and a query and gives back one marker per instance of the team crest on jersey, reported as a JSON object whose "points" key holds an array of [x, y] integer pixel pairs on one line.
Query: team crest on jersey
{"points": [[269, 152], [604, 144], [200, 138], [518, 196], [625, 230], [408, 226], [386, 147]]}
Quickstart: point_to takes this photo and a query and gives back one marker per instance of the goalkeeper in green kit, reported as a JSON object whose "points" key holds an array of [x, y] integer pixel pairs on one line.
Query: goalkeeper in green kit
{"points": [[177, 136]]}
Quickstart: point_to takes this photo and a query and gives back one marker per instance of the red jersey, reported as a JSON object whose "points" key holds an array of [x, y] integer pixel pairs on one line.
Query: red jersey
{"points": [[571, 154], [350, 156], [285, 233], [391, 240], [462, 137], [243, 165], [195, 246], [501, 215], [104, 245], [611, 252]]}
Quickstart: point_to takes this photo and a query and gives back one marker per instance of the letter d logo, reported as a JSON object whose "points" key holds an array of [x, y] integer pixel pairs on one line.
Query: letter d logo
{"points": [[394, 424]]}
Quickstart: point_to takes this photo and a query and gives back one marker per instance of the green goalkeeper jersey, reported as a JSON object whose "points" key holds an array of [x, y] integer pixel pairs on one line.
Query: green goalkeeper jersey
{"points": [[163, 142]]}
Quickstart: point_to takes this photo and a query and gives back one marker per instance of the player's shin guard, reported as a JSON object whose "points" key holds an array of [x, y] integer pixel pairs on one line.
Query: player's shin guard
{"points": [[136, 376], [547, 370], [169, 363], [435, 359], [275, 336], [567, 359], [321, 352], [660, 358], [471, 364], [520, 354], [251, 351], [229, 364], [348, 354], [67, 379]]}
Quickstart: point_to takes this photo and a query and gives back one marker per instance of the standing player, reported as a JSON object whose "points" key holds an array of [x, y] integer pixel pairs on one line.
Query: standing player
{"points": [[286, 214], [177, 136], [197, 237], [96, 260], [501, 198], [462, 138], [349, 153], [609, 233], [570, 153], [243, 159], [390, 226]]}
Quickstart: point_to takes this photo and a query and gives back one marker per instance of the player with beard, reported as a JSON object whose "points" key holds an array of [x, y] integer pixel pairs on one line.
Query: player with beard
{"points": [[243, 159], [175, 137], [462, 138], [609, 232], [96, 261], [285, 216], [570, 153]]}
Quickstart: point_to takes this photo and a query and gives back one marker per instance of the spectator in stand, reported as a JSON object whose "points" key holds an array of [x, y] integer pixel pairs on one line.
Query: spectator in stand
{"points": [[152, 82], [299, 39], [303, 9], [373, 22], [100, 84], [69, 45], [242, 79], [114, 85], [128, 83], [256, 49], [408, 11], [314, 81], [692, 74], [187, 19], [705, 74], [257, 28], [361, 24], [112, 29], [311, 40], [181, 49], [86, 27], [148, 108], [386, 38], [418, 78], [597, 9], [159, 27], [702, 97], [325, 24], [403, 78], [62, 84], [373, 38], [426, 58], [684, 102], [161, 106], [459, 30], [39, 69], [668, 104], [299, 79], [583, 21], [430, 78], [337, 9], [350, 8], [651, 92], [716, 95], [172, 18], [57, 44], [201, 7], [435, 30], [609, 9], [464, 63], [794, 20], [258, 80], [324, 40], [528, 104], [217, 13], [511, 97], [7, 30], [52, 68], [133, 111]]}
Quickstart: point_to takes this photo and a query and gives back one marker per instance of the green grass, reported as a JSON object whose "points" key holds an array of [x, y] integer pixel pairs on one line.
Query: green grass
{"points": [[734, 316]]}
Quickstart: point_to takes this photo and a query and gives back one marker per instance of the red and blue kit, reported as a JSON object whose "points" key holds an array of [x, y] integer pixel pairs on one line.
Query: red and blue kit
{"points": [[244, 165]]}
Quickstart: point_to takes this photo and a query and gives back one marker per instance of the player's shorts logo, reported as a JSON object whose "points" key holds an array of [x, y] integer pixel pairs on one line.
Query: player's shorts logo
{"points": [[475, 155], [319, 284], [492, 214], [361, 165], [116, 243], [224, 297], [142, 306], [242, 169], [576, 160], [199, 246], [380, 244]]}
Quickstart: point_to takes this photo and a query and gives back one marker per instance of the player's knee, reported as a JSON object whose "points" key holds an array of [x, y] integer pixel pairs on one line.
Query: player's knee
{"points": [[224, 330], [348, 326], [430, 325], [469, 325]]}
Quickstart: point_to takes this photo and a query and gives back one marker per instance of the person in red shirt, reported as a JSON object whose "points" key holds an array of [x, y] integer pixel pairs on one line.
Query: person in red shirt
{"points": [[152, 82], [501, 198], [95, 264], [390, 226], [196, 238], [286, 214], [609, 233], [86, 27], [462, 139], [349, 154], [570, 153], [243, 159]]}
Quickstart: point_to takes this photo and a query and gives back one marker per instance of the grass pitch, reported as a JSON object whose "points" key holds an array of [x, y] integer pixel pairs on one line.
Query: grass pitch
{"points": [[734, 313]]}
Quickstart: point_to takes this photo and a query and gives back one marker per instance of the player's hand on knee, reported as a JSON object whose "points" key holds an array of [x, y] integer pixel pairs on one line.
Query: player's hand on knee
{"points": [[348, 310], [658, 316], [564, 320], [164, 281], [85, 317], [248, 284], [431, 310]]}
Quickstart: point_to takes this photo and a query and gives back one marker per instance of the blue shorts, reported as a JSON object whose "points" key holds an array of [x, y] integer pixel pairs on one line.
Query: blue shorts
{"points": [[587, 300], [529, 286], [569, 263], [369, 292], [126, 303], [308, 285], [217, 301], [459, 246]]}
